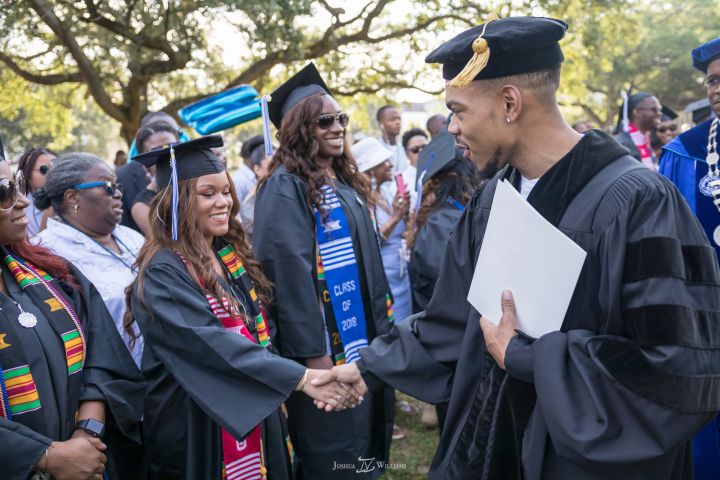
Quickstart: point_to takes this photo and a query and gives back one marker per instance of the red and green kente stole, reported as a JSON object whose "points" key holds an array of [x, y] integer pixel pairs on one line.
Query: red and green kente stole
{"points": [[73, 339], [237, 272]]}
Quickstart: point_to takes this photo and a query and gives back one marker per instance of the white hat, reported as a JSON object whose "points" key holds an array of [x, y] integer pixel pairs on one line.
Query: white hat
{"points": [[369, 153]]}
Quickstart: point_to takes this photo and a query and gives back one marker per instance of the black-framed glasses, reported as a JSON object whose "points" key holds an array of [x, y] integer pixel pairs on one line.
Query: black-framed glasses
{"points": [[416, 150], [110, 187], [665, 128], [10, 190], [327, 120], [712, 83], [655, 110]]}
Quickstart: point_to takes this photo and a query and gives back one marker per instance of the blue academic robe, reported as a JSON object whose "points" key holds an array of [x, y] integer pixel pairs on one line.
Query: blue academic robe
{"points": [[683, 162]]}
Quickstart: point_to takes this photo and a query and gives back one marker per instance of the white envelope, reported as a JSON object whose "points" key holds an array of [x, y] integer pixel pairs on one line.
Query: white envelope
{"points": [[524, 253]]}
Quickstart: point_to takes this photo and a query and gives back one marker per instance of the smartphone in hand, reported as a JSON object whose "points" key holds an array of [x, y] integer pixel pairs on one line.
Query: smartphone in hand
{"points": [[400, 184]]}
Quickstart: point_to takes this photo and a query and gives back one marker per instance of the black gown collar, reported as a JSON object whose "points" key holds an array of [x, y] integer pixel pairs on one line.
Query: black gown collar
{"points": [[557, 188]]}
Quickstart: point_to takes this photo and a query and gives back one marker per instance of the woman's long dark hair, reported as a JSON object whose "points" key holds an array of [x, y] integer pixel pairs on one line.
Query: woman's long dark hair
{"points": [[299, 152], [457, 180], [190, 244]]}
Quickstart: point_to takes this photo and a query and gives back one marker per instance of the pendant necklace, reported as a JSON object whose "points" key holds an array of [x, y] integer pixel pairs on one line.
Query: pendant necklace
{"points": [[26, 319]]}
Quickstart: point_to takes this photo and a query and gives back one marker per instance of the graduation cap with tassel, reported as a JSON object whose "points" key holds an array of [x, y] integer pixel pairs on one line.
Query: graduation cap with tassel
{"points": [[182, 161], [501, 47]]}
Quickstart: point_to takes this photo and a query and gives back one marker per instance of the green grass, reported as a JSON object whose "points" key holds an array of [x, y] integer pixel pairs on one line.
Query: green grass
{"points": [[415, 451]]}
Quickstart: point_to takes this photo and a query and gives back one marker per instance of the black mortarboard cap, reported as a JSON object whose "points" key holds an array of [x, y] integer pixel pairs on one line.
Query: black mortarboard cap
{"points": [[441, 150], [193, 159], [668, 113], [705, 54], [182, 161], [510, 46], [300, 86], [699, 110]]}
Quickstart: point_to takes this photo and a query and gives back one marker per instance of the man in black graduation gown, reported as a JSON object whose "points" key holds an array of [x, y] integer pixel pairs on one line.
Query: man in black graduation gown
{"points": [[633, 372]]}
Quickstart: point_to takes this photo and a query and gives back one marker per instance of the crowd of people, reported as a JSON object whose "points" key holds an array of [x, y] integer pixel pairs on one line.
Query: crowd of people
{"points": [[166, 318]]}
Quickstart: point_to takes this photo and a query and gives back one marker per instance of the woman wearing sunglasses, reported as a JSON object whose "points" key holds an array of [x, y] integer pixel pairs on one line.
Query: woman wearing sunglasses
{"points": [[315, 238], [62, 377], [83, 192], [663, 134], [34, 164], [215, 386]]}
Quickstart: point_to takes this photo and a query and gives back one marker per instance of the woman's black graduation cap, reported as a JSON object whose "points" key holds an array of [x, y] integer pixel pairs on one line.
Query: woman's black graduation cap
{"points": [[182, 161], [441, 150], [500, 48], [300, 86]]}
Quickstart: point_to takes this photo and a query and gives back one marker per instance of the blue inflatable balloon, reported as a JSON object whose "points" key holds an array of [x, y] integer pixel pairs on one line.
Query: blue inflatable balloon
{"points": [[223, 110]]}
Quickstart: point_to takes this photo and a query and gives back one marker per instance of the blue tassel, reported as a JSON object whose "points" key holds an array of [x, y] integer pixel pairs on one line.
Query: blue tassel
{"points": [[266, 124], [174, 181]]}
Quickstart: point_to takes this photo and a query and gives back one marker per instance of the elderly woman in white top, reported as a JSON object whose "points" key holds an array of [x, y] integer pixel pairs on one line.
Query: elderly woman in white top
{"points": [[85, 195], [373, 160]]}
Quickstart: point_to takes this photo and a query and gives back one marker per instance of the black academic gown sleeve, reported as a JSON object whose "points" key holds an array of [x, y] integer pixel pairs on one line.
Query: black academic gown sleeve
{"points": [[237, 383], [284, 242], [428, 254], [612, 403], [419, 355], [22, 448], [110, 374]]}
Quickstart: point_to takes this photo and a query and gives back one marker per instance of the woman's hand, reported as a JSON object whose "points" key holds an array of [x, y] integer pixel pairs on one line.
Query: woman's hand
{"points": [[332, 395], [79, 458], [401, 204]]}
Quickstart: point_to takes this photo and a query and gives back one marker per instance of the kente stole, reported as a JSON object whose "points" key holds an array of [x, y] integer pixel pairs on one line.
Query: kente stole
{"points": [[242, 460], [339, 282], [643, 145], [19, 394]]}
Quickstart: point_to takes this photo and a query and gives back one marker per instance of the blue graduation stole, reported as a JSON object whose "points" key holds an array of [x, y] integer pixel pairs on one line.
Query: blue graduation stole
{"points": [[683, 162], [338, 264]]}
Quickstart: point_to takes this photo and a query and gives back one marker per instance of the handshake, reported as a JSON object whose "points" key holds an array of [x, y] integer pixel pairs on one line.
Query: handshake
{"points": [[336, 389]]}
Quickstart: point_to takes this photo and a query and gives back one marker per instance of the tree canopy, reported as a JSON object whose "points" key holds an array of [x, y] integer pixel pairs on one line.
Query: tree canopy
{"points": [[125, 57]]}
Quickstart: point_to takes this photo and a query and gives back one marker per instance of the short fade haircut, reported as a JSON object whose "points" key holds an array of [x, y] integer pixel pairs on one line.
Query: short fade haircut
{"points": [[381, 111], [543, 83], [413, 132]]}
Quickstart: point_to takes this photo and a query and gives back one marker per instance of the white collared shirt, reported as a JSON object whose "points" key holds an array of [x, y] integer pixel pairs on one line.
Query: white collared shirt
{"points": [[109, 273]]}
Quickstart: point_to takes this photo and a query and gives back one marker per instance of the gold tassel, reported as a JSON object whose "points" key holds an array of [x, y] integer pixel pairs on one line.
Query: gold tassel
{"points": [[478, 61]]}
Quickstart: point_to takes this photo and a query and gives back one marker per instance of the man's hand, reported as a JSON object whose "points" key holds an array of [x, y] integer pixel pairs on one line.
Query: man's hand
{"points": [[348, 376], [497, 337]]}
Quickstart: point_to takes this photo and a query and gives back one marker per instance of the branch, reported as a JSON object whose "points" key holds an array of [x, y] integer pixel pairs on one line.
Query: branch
{"points": [[47, 15], [155, 43], [591, 113], [50, 79], [390, 84]]}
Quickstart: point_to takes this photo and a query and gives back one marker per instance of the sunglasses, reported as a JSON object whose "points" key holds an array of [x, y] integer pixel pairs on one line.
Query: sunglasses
{"points": [[10, 190], [43, 169], [110, 187], [417, 149], [664, 128], [328, 120]]}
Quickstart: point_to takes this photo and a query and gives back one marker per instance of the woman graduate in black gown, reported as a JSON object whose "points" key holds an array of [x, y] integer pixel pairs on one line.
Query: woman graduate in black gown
{"points": [[62, 376], [317, 244], [449, 181], [215, 389]]}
